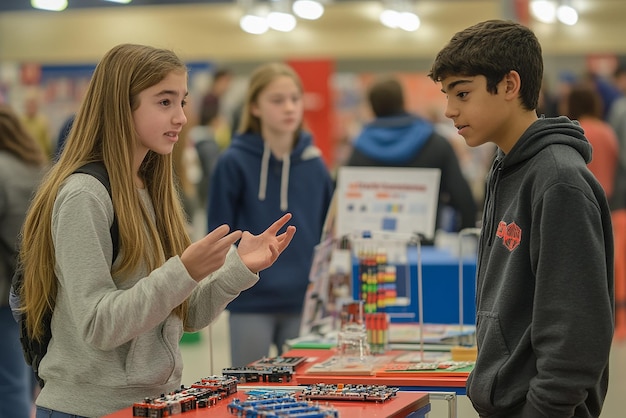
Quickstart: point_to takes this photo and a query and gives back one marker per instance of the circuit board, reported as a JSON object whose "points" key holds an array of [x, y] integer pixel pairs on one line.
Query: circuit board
{"points": [[279, 404], [202, 394], [286, 361], [345, 392], [250, 374]]}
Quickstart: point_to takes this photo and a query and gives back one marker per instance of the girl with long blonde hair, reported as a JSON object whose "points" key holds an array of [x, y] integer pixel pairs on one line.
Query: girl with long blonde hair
{"points": [[116, 324]]}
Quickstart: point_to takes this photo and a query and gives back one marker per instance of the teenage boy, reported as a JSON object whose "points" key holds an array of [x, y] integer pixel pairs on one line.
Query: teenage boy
{"points": [[545, 269]]}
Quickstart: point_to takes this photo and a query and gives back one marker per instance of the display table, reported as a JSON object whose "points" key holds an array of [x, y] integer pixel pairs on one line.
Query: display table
{"points": [[440, 385], [426, 382], [403, 405]]}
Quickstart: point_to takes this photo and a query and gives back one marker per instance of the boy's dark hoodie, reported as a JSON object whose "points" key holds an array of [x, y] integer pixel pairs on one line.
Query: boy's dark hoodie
{"points": [[536, 357]]}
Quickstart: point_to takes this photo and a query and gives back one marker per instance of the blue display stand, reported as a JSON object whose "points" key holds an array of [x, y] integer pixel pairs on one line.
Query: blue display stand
{"points": [[440, 284]]}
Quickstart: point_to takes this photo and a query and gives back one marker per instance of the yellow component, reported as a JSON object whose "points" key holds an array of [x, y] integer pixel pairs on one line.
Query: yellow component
{"points": [[464, 353]]}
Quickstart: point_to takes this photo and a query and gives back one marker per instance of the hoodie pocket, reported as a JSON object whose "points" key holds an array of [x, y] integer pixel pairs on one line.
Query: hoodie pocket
{"points": [[153, 356], [493, 353]]}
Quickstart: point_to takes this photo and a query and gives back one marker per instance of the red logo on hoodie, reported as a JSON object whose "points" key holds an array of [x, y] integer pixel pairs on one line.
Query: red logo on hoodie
{"points": [[511, 235]]}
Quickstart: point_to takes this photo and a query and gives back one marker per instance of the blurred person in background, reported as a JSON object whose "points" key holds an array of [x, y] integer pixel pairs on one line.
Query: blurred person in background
{"points": [[397, 138], [64, 132], [617, 111], [22, 165], [210, 106], [584, 104], [203, 140], [271, 167], [474, 161], [37, 123], [185, 165], [617, 119]]}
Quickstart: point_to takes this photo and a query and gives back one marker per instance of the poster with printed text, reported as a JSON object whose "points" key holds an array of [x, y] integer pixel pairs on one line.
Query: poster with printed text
{"points": [[391, 200]]}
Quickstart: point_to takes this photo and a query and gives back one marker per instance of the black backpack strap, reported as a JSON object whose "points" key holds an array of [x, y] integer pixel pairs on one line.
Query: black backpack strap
{"points": [[99, 171], [35, 350]]}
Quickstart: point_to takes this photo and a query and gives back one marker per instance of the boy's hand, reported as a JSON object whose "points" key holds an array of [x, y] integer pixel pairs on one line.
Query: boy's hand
{"points": [[205, 256], [259, 252]]}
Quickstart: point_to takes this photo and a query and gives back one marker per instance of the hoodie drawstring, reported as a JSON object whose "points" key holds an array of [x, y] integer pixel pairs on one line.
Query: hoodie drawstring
{"points": [[284, 180], [265, 162], [491, 196]]}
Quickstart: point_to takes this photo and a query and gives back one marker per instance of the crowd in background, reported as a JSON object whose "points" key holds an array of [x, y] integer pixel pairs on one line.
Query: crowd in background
{"points": [[597, 102]]}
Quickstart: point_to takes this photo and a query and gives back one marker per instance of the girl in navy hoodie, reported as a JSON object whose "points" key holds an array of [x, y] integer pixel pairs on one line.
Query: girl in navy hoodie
{"points": [[271, 167]]}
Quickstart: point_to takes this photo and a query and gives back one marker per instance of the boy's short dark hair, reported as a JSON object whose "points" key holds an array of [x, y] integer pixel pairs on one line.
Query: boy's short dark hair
{"points": [[386, 97], [492, 49]]}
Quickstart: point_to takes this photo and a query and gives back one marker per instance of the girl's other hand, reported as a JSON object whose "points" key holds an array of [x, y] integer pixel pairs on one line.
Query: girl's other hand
{"points": [[259, 252], [205, 256]]}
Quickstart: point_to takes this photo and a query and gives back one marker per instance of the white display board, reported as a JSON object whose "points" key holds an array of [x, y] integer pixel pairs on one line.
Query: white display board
{"points": [[398, 200]]}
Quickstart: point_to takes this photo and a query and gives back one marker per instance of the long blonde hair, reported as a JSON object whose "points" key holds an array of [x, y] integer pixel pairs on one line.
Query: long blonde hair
{"points": [[261, 77], [104, 131]]}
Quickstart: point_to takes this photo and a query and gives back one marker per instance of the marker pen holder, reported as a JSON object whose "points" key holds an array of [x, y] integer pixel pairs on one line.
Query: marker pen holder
{"points": [[377, 326]]}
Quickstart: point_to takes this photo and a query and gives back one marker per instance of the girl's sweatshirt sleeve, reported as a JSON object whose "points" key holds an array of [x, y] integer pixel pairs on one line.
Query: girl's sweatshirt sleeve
{"points": [[217, 290]]}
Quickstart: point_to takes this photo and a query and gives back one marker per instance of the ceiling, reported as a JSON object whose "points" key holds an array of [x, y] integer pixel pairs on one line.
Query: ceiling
{"points": [[597, 10], [20, 5], [203, 29], [604, 7]]}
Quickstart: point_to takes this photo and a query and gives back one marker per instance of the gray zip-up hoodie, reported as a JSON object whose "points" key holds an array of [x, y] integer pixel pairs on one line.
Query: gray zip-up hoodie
{"points": [[116, 342], [545, 281]]}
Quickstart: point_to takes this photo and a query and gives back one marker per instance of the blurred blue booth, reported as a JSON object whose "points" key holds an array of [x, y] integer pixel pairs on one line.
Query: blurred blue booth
{"points": [[440, 287]]}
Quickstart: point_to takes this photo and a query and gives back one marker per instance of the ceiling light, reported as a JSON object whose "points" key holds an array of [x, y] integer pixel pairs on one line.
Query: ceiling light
{"points": [[280, 21], [53, 5], [543, 10], [409, 22], [390, 18], [400, 14], [567, 14], [119, 1], [308, 9], [253, 24]]}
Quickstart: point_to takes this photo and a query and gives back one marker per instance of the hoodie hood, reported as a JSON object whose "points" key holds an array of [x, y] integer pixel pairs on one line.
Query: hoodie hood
{"points": [[254, 144], [545, 132], [394, 139]]}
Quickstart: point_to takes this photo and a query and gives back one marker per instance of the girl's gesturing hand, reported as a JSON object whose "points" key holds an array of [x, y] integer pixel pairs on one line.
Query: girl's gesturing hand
{"points": [[259, 252], [205, 256]]}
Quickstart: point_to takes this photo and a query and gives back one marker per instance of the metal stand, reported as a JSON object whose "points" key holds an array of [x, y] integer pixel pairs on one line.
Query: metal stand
{"points": [[211, 363], [449, 397], [420, 297], [463, 233]]}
